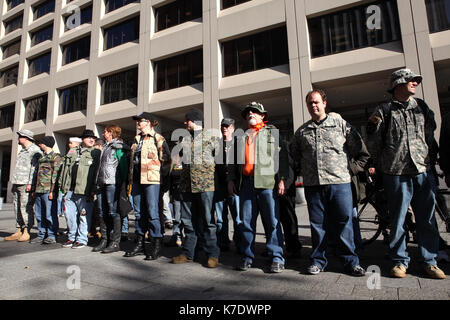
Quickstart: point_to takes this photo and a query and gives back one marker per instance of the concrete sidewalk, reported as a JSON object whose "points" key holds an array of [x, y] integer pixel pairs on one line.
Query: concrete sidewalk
{"points": [[35, 271]]}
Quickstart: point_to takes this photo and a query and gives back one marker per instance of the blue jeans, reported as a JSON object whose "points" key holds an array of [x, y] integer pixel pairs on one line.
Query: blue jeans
{"points": [[222, 203], [356, 229], [331, 206], [418, 191], [46, 216], [252, 201], [107, 199], [177, 226], [78, 214], [198, 218], [125, 225], [146, 196], [60, 210]]}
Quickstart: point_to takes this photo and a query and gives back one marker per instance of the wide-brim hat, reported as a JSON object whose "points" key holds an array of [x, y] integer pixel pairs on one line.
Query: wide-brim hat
{"points": [[403, 76], [88, 134], [254, 106], [144, 115], [26, 134]]}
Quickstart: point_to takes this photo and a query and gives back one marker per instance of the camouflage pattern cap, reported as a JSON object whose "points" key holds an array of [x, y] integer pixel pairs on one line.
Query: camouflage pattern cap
{"points": [[26, 134], [403, 76], [254, 106]]}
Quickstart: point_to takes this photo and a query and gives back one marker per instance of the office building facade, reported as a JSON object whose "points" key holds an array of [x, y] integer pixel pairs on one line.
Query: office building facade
{"points": [[68, 65]]}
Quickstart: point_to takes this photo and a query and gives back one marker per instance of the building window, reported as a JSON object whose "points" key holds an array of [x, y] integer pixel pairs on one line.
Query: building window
{"points": [[354, 28], [36, 109], [40, 65], [9, 76], [232, 3], [7, 116], [13, 24], [438, 12], [13, 3], [73, 99], [42, 35], [43, 9], [77, 50], [112, 5], [119, 86], [177, 12], [11, 49], [121, 33], [179, 71], [258, 51], [85, 17]]}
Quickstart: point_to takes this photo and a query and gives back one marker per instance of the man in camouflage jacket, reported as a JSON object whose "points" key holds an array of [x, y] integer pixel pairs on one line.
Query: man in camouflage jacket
{"points": [[197, 191], [322, 149], [45, 193], [401, 135], [24, 176]]}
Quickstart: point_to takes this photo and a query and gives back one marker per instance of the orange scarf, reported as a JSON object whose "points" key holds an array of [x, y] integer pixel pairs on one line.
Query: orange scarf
{"points": [[249, 166]]}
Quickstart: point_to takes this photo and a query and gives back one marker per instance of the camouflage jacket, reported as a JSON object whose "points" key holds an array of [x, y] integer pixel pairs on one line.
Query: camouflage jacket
{"points": [[48, 171], [400, 137], [322, 152], [198, 162], [154, 156], [25, 171]]}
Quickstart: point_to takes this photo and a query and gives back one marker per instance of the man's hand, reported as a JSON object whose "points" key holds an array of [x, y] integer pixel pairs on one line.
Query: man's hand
{"points": [[50, 196], [372, 171], [28, 188], [281, 188], [231, 188]]}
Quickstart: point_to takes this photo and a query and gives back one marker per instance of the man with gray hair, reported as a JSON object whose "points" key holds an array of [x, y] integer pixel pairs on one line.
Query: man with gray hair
{"points": [[24, 176], [401, 137]]}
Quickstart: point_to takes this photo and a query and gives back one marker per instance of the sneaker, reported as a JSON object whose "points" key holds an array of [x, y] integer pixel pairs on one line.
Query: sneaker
{"points": [[37, 240], [78, 245], [68, 244], [49, 241], [243, 265], [357, 271], [398, 271], [434, 272], [276, 267], [314, 269]]}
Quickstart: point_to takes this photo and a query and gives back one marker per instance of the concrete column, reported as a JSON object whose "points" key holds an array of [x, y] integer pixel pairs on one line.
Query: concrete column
{"points": [[94, 87], [426, 63], [408, 37], [1, 171], [215, 66], [294, 63], [304, 61]]}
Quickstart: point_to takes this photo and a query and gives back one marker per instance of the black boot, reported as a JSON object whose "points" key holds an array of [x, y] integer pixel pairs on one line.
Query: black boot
{"points": [[138, 249], [155, 249], [114, 244], [104, 241]]}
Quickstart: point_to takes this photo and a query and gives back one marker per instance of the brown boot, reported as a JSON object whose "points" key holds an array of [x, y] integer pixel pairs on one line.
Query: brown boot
{"points": [[25, 236], [15, 236]]}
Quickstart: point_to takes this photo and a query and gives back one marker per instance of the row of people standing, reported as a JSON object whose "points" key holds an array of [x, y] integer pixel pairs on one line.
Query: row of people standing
{"points": [[400, 130]]}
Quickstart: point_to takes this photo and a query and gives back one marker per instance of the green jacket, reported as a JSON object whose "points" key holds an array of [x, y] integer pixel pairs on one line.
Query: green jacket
{"points": [[88, 163], [271, 159]]}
